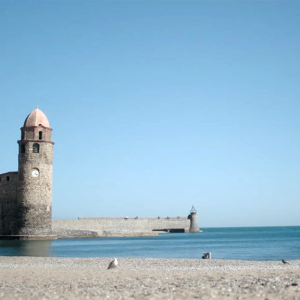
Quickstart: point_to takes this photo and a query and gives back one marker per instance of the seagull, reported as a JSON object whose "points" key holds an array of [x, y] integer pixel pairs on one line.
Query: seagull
{"points": [[113, 264], [285, 262]]}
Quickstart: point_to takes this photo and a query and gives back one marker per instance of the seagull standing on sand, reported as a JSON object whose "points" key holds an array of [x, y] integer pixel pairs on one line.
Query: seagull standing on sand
{"points": [[113, 264], [285, 262]]}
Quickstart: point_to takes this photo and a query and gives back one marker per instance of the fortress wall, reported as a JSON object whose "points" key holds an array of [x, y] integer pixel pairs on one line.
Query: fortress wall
{"points": [[8, 188], [8, 202], [115, 226]]}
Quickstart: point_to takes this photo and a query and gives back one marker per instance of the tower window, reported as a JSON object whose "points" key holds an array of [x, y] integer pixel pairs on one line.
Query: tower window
{"points": [[22, 135], [22, 148], [36, 148], [7, 178], [40, 135]]}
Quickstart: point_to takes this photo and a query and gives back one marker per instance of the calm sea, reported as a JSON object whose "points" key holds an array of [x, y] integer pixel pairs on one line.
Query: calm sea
{"points": [[245, 243]]}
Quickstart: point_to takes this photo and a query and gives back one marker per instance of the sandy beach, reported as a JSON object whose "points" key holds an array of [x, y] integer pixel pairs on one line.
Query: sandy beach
{"points": [[139, 278]]}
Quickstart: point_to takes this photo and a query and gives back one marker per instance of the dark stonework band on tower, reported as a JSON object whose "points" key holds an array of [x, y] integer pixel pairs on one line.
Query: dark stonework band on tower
{"points": [[29, 208]]}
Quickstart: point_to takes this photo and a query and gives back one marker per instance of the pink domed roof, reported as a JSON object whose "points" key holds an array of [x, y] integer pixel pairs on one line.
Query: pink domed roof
{"points": [[36, 118]]}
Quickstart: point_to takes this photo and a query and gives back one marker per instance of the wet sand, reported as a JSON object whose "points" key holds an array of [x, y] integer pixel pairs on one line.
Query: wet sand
{"points": [[141, 278]]}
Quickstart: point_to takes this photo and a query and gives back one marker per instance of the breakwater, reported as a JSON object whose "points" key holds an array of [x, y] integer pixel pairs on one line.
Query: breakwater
{"points": [[114, 227]]}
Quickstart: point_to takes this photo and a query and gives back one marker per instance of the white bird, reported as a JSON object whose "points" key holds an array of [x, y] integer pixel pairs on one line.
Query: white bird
{"points": [[113, 264]]}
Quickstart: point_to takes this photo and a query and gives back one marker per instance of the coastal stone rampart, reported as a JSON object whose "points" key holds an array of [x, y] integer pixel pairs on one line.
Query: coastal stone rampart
{"points": [[106, 227], [8, 202]]}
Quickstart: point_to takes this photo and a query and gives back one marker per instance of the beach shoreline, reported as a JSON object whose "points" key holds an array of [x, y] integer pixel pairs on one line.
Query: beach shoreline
{"points": [[147, 278]]}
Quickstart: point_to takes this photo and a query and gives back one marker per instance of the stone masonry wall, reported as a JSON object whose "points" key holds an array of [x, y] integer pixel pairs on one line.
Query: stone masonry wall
{"points": [[8, 202], [35, 193], [120, 226]]}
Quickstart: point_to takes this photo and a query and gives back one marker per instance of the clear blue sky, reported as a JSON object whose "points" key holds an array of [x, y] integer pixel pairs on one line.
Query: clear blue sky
{"points": [[159, 105]]}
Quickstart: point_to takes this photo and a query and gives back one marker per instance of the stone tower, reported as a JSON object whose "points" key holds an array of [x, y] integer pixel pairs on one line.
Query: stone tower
{"points": [[34, 191], [193, 220]]}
